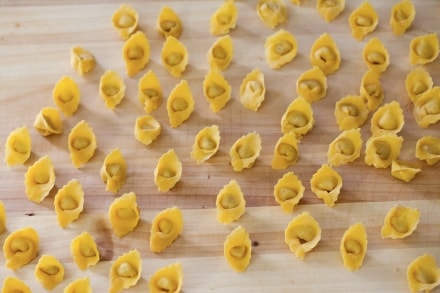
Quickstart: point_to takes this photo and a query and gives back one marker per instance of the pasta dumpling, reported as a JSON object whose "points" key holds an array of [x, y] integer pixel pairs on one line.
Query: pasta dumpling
{"points": [[39, 179], [280, 49], [363, 20], [48, 121], [402, 16], [169, 23], [375, 55], [285, 152], [326, 184], [400, 222], [174, 56], [168, 171], [18, 146], [167, 279], [82, 60], [136, 53], [404, 171], [387, 119], [112, 88], [49, 271], [424, 49], [21, 247], [325, 54], [353, 246], [253, 90], [69, 202], [288, 191], [418, 81], [351, 112], [14, 284], [312, 85], [150, 93], [2, 217], [166, 227], [79, 285], [180, 104], [125, 271], [224, 19], [230, 203], [221, 52], [272, 12], [82, 143], [66, 95], [125, 21], [216, 90], [84, 251], [428, 149], [298, 118], [124, 214], [114, 170], [345, 148], [237, 249], [423, 274], [147, 129], [427, 108], [371, 90], [382, 150], [206, 143], [330, 9], [245, 151]]}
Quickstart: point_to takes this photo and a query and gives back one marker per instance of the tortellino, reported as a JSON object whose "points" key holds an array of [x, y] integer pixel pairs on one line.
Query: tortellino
{"points": [[312, 85], [230, 203], [427, 108], [82, 143], [326, 184], [111, 89], [21, 247], [428, 149], [302, 234], [363, 20], [418, 81], [253, 90], [39, 179], [49, 271], [136, 53], [353, 246], [2, 217], [423, 274], [82, 60], [125, 21], [168, 171], [298, 118], [84, 251], [147, 129], [150, 93], [387, 119], [280, 49], [69, 202], [224, 19], [14, 284], [174, 56], [180, 104], [79, 285], [351, 112], [125, 271], [345, 148], [400, 222], [371, 90], [375, 55], [288, 191], [48, 121], [285, 152], [424, 49], [167, 279], [124, 214], [165, 228], [237, 249], [325, 54], [330, 9], [206, 143], [220, 53], [66, 95], [272, 12], [404, 171], [18, 146], [216, 90], [402, 16], [382, 150], [245, 151], [169, 23], [114, 170]]}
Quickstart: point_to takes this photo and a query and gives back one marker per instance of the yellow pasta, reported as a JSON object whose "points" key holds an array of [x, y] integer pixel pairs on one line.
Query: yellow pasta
{"points": [[428, 149], [353, 246], [404, 171], [285, 152], [330, 9], [113, 171], [298, 118], [280, 49], [325, 54], [82, 60], [245, 151], [124, 214], [14, 284], [82, 143], [400, 222], [125, 21], [418, 81], [224, 19], [167, 279], [174, 56], [84, 251], [169, 23], [302, 234], [423, 274], [382, 150], [387, 119], [402, 16], [79, 285], [2, 217], [216, 90], [351, 112], [147, 129], [69, 202], [21, 247], [272, 12], [220, 53], [206, 143], [125, 271], [48, 121], [168, 171], [326, 184], [375, 55], [180, 104], [288, 191], [296, 2], [18, 146], [424, 49], [312, 85], [166, 227], [371, 90], [49, 271], [39, 179], [363, 20], [345, 148], [253, 90], [111, 89], [427, 108], [66, 95], [150, 93], [136, 53], [230, 203], [237, 249]]}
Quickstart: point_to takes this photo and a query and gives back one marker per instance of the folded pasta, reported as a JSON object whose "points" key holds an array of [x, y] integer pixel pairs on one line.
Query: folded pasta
{"points": [[363, 20], [167, 279], [353, 247], [230, 203], [79, 285], [245, 151], [82, 143], [351, 112], [206, 143], [168, 171], [174, 56], [345, 148], [220, 54], [371, 90], [14, 284], [375, 55], [402, 16], [382, 150], [325, 54], [288, 191], [39, 179], [112, 89], [147, 129], [330, 10], [312, 85], [400, 222], [82, 60], [84, 250], [428, 149], [216, 90], [424, 49], [125, 21], [298, 118], [150, 93], [418, 81], [180, 104], [224, 19], [326, 184], [48, 121], [114, 170], [166, 227], [49, 271], [18, 146], [280, 49], [136, 53], [169, 23], [237, 249], [124, 214], [272, 12], [125, 271], [302, 234], [285, 152], [423, 274], [69, 202], [21, 247], [427, 108], [66, 95]]}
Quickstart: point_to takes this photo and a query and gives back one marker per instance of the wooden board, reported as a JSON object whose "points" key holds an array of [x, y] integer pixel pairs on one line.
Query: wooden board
{"points": [[34, 51]]}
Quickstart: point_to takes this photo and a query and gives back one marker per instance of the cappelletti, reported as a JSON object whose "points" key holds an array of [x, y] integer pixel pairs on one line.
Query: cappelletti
{"points": [[382, 150], [169, 23], [400, 222], [418, 81], [167, 279], [312, 85], [371, 90], [351, 112], [125, 21], [230, 203], [39, 179], [174, 56], [402, 16], [147, 129], [82, 143], [375, 55], [136, 53], [280, 49], [245, 151], [112, 88], [21, 247], [82, 60], [298, 118], [404, 170], [387, 119], [345, 148], [423, 274], [424, 49], [330, 9], [427, 108], [288, 191], [125, 271], [237, 249], [69, 202], [124, 214], [206, 143], [14, 284], [168, 171], [272, 12], [220, 53], [253, 90], [325, 54], [285, 152], [48, 121], [216, 90], [2, 217], [353, 247], [224, 19], [326, 184], [66, 95], [49, 271], [428, 149], [114, 170], [363, 20], [79, 285], [302, 234], [180, 104], [18, 146], [166, 227], [84, 250], [150, 93]]}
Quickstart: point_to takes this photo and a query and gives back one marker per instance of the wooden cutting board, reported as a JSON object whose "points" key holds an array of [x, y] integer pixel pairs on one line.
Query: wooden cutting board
{"points": [[34, 53]]}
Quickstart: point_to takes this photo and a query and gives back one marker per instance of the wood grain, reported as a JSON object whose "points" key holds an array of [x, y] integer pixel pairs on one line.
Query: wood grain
{"points": [[34, 53]]}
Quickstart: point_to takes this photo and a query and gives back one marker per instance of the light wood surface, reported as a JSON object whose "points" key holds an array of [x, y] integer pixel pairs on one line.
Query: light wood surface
{"points": [[34, 53]]}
